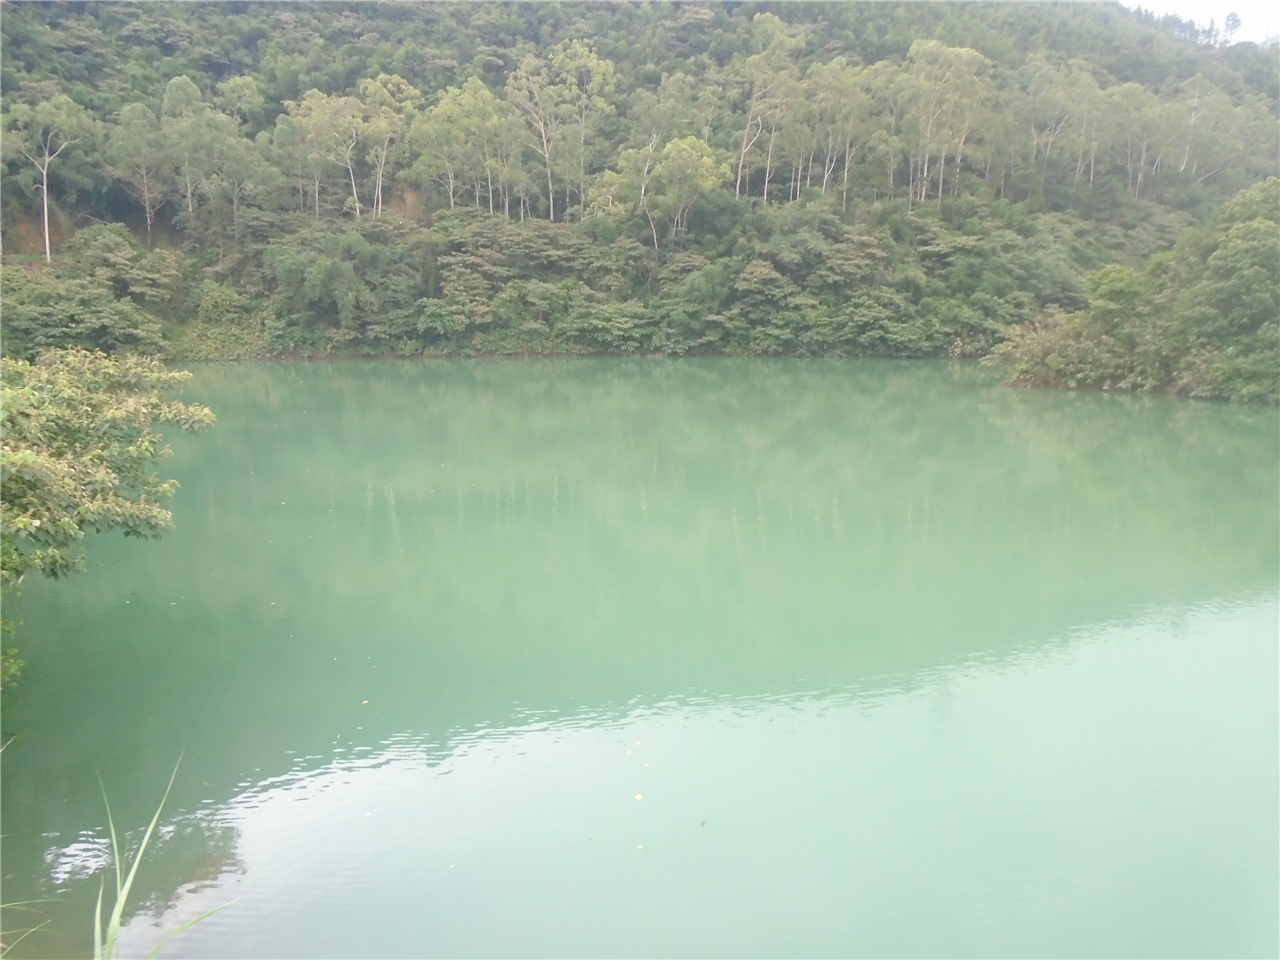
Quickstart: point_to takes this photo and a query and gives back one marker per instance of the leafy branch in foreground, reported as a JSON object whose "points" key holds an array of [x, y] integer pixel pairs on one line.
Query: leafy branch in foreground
{"points": [[76, 449]]}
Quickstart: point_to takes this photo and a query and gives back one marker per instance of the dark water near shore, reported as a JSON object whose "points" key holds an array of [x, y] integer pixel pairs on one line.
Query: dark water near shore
{"points": [[671, 658]]}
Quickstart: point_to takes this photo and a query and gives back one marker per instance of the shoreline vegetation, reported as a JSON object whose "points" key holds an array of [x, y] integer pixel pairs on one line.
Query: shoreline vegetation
{"points": [[1077, 196], [1080, 195]]}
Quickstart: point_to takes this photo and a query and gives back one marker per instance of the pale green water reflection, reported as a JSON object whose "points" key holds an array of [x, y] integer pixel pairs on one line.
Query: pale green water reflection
{"points": [[947, 669]]}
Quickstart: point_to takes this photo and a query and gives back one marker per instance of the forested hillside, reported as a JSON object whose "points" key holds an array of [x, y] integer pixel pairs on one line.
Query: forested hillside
{"points": [[917, 179]]}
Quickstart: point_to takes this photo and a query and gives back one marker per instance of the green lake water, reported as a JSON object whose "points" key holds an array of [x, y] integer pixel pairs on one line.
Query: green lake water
{"points": [[722, 658]]}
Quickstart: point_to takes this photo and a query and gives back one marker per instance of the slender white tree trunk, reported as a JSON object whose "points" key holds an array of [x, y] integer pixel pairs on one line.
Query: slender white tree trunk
{"points": [[354, 194], [44, 199], [747, 145], [146, 203], [844, 185], [582, 166], [768, 160]]}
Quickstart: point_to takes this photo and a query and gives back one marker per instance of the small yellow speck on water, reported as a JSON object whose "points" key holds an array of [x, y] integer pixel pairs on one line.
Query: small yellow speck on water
{"points": [[639, 744], [639, 796], [639, 846], [364, 701], [628, 753], [645, 764], [451, 866]]}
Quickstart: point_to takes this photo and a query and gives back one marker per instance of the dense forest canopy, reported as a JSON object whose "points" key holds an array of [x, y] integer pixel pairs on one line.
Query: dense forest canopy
{"points": [[915, 179]]}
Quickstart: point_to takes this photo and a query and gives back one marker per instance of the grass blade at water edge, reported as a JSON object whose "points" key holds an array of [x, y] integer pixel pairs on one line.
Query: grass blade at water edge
{"points": [[104, 949], [111, 824], [113, 927], [5, 948], [190, 923], [97, 923]]}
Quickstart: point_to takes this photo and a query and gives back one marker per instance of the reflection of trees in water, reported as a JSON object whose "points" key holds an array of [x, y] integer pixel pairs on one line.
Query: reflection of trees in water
{"points": [[447, 539], [1194, 476], [199, 852], [194, 852]]}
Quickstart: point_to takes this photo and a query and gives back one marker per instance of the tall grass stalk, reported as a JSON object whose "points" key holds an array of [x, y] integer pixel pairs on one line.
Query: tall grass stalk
{"points": [[104, 942], [26, 932]]}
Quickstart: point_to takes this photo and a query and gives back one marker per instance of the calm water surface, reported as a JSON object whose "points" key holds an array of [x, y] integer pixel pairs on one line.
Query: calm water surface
{"points": [[670, 659]]}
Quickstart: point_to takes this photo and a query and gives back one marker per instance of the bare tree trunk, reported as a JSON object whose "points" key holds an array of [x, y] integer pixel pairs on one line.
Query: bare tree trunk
{"points": [[768, 160], [354, 195], [44, 183], [146, 201], [582, 167], [44, 200], [551, 189], [381, 171], [844, 186], [828, 163], [955, 185], [747, 145], [644, 201]]}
